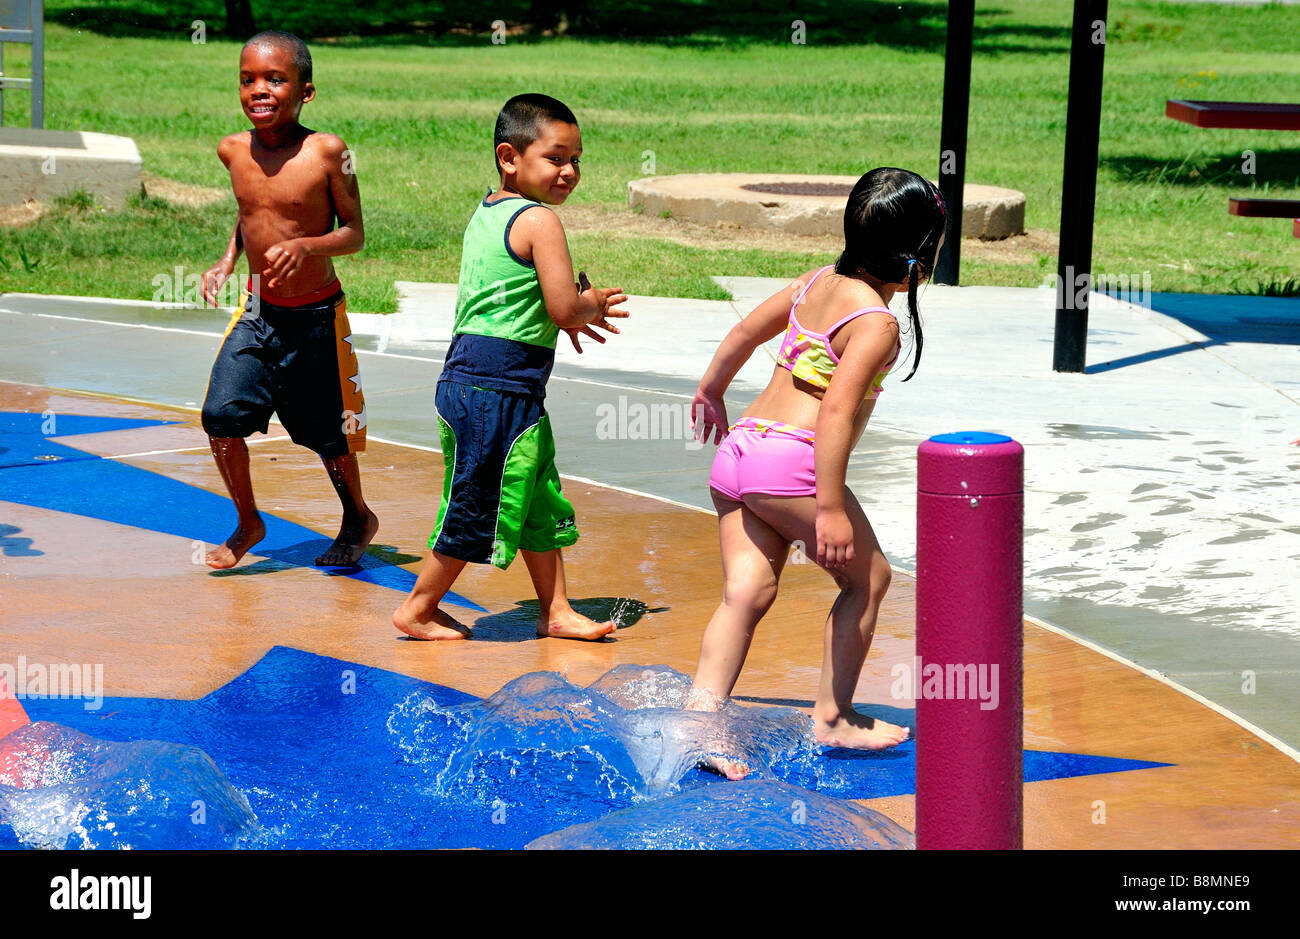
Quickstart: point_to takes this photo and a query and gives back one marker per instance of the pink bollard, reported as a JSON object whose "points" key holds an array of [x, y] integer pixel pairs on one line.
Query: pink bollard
{"points": [[967, 677]]}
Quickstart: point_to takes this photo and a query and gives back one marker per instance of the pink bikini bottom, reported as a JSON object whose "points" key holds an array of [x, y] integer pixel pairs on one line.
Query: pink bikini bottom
{"points": [[767, 457]]}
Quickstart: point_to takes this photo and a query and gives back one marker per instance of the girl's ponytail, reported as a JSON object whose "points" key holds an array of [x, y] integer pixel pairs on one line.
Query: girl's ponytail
{"points": [[914, 314]]}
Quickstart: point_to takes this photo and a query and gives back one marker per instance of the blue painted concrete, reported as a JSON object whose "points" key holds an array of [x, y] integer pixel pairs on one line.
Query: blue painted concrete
{"points": [[42, 473]]}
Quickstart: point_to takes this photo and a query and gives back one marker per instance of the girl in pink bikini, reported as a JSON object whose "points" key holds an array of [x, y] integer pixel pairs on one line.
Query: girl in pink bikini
{"points": [[778, 477]]}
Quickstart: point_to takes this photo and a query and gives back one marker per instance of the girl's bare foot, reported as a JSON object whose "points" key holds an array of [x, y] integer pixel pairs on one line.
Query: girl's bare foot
{"points": [[573, 625], [703, 699], [724, 766], [354, 537], [226, 556], [436, 626], [855, 731], [714, 758]]}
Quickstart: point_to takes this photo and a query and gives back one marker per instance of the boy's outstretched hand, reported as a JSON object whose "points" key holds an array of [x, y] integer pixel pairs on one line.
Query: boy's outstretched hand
{"points": [[577, 331], [214, 278], [605, 300]]}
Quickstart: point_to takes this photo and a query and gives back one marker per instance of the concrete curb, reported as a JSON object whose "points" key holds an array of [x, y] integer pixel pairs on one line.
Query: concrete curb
{"points": [[988, 212]]}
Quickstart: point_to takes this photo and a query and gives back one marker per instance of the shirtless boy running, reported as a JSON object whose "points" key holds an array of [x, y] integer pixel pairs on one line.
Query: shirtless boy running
{"points": [[288, 348]]}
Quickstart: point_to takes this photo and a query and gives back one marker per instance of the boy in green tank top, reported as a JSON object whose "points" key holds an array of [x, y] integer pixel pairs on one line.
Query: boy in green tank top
{"points": [[501, 490]]}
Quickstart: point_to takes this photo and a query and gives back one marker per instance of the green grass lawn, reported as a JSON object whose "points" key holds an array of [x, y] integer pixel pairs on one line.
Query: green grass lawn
{"points": [[418, 114]]}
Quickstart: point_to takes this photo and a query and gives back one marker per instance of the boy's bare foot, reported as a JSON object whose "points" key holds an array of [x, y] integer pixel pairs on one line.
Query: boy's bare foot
{"points": [[353, 539], [573, 625], [856, 731], [226, 556], [437, 626]]}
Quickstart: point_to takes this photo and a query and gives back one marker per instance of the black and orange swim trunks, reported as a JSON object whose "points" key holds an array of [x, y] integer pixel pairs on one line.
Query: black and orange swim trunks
{"points": [[293, 358]]}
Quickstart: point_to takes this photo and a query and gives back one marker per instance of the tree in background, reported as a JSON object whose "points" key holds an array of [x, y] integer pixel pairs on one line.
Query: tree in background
{"points": [[239, 18]]}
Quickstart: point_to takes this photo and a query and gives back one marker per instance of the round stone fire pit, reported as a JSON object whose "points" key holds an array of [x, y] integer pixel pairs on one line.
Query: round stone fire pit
{"points": [[801, 204]]}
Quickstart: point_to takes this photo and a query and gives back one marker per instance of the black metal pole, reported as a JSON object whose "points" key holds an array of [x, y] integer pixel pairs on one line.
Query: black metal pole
{"points": [[1079, 185], [952, 135]]}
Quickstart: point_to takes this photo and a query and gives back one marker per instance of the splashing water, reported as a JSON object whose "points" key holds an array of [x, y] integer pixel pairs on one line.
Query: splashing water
{"points": [[750, 814], [63, 789], [625, 734], [316, 769], [624, 744]]}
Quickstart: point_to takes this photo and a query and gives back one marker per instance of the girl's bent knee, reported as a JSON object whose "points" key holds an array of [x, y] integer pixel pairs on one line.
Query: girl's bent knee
{"points": [[881, 577], [753, 597], [871, 585]]}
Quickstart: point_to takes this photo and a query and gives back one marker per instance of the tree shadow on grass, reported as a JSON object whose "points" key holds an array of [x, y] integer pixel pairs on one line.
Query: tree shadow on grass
{"points": [[126, 20], [918, 25], [1279, 167], [317, 22]]}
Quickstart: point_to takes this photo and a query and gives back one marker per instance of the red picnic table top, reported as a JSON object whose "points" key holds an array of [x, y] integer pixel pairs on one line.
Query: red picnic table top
{"points": [[1251, 115], [1264, 208]]}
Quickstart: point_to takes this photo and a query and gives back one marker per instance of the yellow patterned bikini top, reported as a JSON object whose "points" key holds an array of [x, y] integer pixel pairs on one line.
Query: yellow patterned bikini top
{"points": [[808, 354]]}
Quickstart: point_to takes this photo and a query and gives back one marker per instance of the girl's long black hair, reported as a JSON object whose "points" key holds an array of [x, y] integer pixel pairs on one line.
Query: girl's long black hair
{"points": [[892, 226]]}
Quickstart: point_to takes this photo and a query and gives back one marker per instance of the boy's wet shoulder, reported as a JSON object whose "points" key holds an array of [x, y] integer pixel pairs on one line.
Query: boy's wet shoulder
{"points": [[331, 143], [232, 144], [328, 148]]}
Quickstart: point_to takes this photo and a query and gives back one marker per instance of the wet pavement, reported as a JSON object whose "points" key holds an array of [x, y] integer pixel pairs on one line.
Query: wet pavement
{"points": [[1162, 512]]}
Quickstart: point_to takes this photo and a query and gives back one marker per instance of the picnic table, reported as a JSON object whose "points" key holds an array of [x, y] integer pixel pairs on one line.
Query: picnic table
{"points": [[1246, 115]]}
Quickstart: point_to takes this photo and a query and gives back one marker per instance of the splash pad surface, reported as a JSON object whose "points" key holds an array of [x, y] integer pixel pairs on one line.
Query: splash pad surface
{"points": [[285, 687]]}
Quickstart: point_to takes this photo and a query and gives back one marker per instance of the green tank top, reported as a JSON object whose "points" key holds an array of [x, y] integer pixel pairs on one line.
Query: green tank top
{"points": [[498, 293]]}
